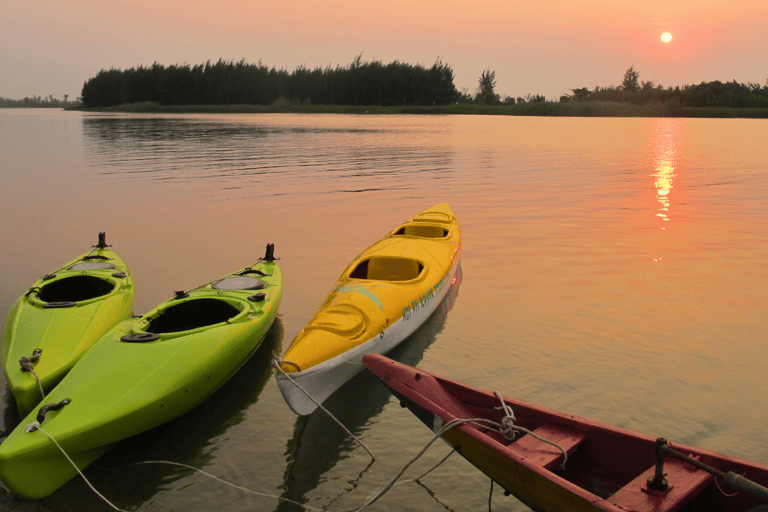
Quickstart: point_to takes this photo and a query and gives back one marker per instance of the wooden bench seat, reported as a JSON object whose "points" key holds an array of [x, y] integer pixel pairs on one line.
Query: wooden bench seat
{"points": [[684, 482], [544, 454]]}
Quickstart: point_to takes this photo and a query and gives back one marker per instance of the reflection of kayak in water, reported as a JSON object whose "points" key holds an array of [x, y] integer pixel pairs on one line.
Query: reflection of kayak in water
{"points": [[61, 316], [207, 437], [319, 444], [145, 372], [382, 297]]}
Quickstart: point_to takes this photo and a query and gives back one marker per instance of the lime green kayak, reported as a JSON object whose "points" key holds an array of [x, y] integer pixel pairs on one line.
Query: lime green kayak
{"points": [[144, 372], [52, 325]]}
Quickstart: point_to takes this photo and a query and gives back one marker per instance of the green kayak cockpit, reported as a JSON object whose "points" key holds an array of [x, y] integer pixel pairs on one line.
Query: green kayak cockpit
{"points": [[68, 291], [192, 314], [387, 268]]}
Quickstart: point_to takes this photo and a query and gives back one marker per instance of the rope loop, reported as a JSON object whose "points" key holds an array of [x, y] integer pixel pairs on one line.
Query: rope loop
{"points": [[508, 427]]}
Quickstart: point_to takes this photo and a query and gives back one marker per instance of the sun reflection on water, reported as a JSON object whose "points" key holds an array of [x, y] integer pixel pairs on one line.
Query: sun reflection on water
{"points": [[666, 142]]}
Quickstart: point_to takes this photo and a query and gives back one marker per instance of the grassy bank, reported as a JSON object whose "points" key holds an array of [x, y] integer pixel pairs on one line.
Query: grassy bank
{"points": [[566, 109]]}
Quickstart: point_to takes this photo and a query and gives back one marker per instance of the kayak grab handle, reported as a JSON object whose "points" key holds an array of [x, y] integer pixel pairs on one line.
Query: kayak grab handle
{"points": [[738, 482], [50, 407]]}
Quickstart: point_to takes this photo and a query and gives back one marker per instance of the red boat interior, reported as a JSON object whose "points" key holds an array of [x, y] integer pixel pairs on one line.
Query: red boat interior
{"points": [[610, 463]]}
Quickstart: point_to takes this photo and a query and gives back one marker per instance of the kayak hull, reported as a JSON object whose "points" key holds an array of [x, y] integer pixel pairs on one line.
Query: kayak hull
{"points": [[141, 374], [382, 297], [62, 315]]}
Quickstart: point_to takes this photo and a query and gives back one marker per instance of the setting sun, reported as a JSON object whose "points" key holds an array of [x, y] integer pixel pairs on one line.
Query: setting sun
{"points": [[666, 37]]}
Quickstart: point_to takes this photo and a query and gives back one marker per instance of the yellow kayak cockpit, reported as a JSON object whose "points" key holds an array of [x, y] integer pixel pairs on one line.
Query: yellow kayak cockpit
{"points": [[422, 231], [387, 268]]}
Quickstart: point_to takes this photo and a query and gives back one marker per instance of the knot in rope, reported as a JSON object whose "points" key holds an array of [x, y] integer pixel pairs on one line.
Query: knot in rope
{"points": [[508, 428], [28, 363], [32, 427]]}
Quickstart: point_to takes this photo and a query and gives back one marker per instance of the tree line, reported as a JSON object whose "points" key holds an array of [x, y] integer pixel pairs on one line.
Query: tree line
{"points": [[232, 83], [36, 102], [706, 94]]}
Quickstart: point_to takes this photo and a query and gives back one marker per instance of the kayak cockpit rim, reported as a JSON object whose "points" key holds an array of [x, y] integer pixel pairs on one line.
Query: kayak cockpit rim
{"points": [[422, 231], [187, 316], [72, 289], [387, 268]]}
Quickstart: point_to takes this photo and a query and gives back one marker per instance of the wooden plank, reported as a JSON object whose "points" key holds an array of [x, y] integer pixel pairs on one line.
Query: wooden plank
{"points": [[544, 454], [685, 482]]}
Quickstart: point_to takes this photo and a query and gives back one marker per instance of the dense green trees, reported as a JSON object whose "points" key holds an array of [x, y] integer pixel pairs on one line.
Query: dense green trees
{"points": [[227, 83]]}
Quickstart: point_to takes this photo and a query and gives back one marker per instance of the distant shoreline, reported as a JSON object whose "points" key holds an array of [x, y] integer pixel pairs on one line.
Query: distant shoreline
{"points": [[556, 109]]}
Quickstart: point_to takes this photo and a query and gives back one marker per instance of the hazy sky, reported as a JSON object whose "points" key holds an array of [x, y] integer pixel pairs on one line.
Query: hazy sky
{"points": [[542, 47]]}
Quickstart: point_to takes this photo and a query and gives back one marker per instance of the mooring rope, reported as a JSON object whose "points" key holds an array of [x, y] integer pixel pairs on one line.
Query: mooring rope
{"points": [[35, 426], [381, 492], [276, 361], [27, 365], [509, 430], [214, 477]]}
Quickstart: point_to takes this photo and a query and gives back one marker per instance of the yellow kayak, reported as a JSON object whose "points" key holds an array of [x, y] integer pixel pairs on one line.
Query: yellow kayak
{"points": [[382, 297]]}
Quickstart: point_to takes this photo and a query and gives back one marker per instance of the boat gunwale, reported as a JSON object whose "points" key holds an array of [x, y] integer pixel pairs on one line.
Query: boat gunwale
{"points": [[401, 383]]}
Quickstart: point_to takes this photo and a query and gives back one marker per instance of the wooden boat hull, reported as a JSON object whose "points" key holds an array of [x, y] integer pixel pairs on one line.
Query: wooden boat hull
{"points": [[607, 468], [382, 297], [62, 315], [142, 373]]}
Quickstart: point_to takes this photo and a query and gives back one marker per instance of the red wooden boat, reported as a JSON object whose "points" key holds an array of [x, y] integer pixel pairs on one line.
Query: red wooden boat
{"points": [[606, 468]]}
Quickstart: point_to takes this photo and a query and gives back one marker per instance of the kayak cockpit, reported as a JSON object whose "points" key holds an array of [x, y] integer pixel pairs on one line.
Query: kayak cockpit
{"points": [[73, 289], [421, 231], [387, 268], [192, 314]]}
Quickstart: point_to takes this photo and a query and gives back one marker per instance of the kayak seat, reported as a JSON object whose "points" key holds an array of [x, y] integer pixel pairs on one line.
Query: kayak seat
{"points": [[544, 454], [75, 289], [385, 268], [422, 231], [685, 481], [192, 314]]}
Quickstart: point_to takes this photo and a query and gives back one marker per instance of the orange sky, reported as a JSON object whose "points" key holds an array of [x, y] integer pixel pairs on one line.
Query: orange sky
{"points": [[546, 47]]}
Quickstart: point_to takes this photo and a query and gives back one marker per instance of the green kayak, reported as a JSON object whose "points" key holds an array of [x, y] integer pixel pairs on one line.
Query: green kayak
{"points": [[142, 373], [52, 325]]}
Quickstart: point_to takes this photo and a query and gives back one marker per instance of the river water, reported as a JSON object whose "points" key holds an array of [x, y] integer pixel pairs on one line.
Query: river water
{"points": [[611, 268]]}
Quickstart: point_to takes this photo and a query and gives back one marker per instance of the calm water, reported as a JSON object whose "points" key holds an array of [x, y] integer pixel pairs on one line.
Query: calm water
{"points": [[612, 268]]}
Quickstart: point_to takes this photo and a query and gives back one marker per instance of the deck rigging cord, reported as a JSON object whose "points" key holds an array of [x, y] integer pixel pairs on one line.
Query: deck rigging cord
{"points": [[276, 361]]}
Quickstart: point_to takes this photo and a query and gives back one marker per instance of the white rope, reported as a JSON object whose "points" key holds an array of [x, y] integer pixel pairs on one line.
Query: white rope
{"points": [[214, 477], [40, 386], [391, 483], [32, 427], [36, 426], [429, 470], [506, 428], [26, 365], [509, 429], [276, 363]]}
